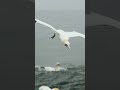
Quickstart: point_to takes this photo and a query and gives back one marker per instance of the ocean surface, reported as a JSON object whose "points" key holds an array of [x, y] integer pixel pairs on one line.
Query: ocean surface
{"points": [[73, 79]]}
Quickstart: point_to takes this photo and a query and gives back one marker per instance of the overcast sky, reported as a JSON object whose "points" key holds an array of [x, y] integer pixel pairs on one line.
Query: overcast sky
{"points": [[48, 51], [60, 4]]}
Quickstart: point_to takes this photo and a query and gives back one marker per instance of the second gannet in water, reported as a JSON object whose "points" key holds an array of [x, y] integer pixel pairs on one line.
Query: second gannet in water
{"points": [[56, 68], [63, 36]]}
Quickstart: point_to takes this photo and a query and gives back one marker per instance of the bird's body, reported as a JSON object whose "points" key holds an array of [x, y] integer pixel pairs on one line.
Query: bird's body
{"points": [[56, 68], [52, 69], [47, 88], [49, 69], [63, 36]]}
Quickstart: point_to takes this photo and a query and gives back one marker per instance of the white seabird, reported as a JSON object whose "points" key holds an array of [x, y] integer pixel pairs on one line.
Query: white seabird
{"points": [[47, 88], [63, 36], [56, 68]]}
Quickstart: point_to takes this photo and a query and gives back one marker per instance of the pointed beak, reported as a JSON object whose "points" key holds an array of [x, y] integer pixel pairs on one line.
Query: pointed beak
{"points": [[68, 47]]}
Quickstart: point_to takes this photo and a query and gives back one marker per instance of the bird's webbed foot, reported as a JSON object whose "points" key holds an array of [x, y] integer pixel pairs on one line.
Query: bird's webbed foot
{"points": [[53, 36]]}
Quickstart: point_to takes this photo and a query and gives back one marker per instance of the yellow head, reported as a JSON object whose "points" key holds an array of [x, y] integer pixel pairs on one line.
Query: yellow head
{"points": [[55, 89]]}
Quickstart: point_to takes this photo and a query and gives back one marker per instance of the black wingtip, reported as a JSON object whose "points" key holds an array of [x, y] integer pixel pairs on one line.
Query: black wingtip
{"points": [[53, 36], [35, 21]]}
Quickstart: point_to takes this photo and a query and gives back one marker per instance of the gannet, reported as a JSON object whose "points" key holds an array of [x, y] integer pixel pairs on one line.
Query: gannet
{"points": [[56, 68], [63, 36]]}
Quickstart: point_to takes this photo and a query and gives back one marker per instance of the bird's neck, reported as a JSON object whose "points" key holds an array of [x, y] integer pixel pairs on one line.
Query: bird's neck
{"points": [[55, 89], [66, 42], [57, 68]]}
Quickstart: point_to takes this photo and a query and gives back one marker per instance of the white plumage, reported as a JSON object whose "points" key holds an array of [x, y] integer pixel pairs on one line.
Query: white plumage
{"points": [[49, 69], [47, 88], [56, 68], [63, 36]]}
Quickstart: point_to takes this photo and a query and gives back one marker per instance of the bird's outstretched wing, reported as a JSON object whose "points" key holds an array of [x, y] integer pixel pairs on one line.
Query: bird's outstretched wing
{"points": [[45, 24], [75, 34]]}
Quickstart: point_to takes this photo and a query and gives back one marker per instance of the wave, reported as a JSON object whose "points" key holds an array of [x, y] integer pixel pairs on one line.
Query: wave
{"points": [[72, 79]]}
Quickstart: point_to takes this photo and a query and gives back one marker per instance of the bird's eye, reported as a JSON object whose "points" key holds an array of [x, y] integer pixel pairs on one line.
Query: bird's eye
{"points": [[66, 45]]}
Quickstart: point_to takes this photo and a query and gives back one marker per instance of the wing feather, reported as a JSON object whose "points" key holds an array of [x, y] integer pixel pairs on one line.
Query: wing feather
{"points": [[45, 24], [75, 34]]}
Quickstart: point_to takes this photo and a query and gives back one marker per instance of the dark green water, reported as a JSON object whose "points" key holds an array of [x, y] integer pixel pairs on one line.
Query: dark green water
{"points": [[73, 79]]}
